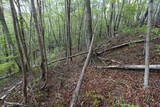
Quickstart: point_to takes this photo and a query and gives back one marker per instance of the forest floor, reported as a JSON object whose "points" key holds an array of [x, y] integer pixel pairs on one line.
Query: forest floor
{"points": [[103, 87]]}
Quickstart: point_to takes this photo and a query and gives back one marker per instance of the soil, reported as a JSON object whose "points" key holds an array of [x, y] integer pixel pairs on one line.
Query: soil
{"points": [[102, 87]]}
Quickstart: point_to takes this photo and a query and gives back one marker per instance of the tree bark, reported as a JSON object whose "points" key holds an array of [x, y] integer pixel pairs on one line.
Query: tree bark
{"points": [[21, 48], [133, 67], [40, 32], [146, 75], [88, 22], [68, 28]]}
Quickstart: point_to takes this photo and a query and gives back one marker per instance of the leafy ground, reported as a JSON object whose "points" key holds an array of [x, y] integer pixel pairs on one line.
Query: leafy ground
{"points": [[102, 87]]}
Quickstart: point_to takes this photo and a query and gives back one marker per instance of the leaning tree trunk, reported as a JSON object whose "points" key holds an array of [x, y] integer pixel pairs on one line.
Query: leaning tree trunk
{"points": [[146, 76], [21, 48]]}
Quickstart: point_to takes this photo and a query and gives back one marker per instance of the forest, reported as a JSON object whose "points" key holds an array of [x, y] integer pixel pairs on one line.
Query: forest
{"points": [[79, 53]]}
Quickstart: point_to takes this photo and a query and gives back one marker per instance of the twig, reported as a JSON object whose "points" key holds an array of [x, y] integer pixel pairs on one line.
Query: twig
{"points": [[9, 91]]}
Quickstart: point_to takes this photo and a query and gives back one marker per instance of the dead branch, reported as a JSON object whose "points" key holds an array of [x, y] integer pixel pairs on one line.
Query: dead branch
{"points": [[134, 67], [12, 103], [9, 91], [62, 59]]}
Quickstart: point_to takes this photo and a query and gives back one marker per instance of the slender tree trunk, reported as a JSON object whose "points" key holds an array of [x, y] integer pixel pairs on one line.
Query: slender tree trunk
{"points": [[88, 22], [5, 27], [112, 20], [144, 17], [40, 31], [107, 32], [146, 75], [119, 16], [21, 30], [157, 18], [68, 28], [21, 49]]}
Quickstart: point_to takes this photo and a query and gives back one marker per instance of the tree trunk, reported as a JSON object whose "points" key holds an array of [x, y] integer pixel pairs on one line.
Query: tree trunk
{"points": [[5, 27], [128, 67], [88, 22], [40, 32], [68, 29], [21, 49], [146, 75]]}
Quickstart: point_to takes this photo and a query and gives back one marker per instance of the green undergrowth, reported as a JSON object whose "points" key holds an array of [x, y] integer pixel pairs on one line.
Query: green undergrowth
{"points": [[134, 29], [155, 31]]}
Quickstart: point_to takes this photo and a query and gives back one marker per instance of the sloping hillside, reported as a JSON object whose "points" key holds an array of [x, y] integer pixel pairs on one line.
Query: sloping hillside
{"points": [[102, 87]]}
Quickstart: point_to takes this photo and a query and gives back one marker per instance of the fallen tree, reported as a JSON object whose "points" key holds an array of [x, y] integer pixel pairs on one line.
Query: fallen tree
{"points": [[101, 52], [78, 54], [82, 53], [62, 59], [134, 67], [13, 104], [123, 45]]}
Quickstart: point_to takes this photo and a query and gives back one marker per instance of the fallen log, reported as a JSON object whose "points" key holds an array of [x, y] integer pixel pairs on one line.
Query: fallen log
{"points": [[62, 59], [123, 45], [134, 67], [13, 104], [78, 54], [101, 52], [97, 53]]}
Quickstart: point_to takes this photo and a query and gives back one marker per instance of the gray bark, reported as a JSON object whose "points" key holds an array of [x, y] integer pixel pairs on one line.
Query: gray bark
{"points": [[146, 75], [21, 48], [40, 32], [88, 22], [133, 67]]}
